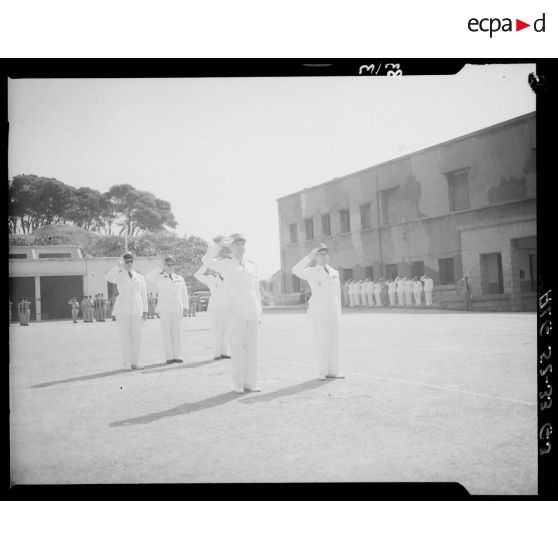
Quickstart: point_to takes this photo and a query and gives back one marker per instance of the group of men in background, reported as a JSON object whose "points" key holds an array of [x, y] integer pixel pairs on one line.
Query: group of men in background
{"points": [[93, 309], [401, 291]]}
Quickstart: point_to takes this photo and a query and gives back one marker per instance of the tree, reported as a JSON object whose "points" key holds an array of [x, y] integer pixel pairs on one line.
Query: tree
{"points": [[86, 208]]}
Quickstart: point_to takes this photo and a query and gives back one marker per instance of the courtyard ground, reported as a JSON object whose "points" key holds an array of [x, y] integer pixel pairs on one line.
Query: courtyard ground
{"points": [[429, 396]]}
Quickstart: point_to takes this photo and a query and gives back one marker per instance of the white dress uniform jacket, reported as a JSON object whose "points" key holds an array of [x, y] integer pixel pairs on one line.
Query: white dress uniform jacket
{"points": [[129, 307], [171, 302], [217, 309], [324, 311], [244, 313]]}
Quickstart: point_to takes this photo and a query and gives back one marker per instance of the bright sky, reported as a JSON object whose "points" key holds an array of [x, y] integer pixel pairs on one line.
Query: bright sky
{"points": [[222, 150]]}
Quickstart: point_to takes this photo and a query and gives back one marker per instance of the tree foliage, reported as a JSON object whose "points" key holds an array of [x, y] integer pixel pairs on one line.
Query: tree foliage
{"points": [[36, 201]]}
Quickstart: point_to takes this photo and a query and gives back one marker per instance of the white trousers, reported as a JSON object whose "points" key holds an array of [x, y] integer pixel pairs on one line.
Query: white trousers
{"points": [[171, 325], [370, 298], [418, 299], [401, 298], [391, 299], [351, 299], [428, 297], [408, 298], [220, 334], [327, 346], [378, 297], [129, 328], [244, 352]]}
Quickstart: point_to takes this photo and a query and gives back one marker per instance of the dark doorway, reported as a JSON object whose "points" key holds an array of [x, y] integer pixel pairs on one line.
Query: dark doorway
{"points": [[492, 281], [20, 287], [55, 294]]}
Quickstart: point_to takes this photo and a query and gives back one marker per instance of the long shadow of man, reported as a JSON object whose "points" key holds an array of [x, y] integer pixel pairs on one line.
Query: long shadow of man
{"points": [[183, 409], [284, 392]]}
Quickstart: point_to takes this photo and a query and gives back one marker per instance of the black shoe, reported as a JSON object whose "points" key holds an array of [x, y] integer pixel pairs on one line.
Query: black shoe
{"points": [[217, 358], [170, 361], [177, 360], [225, 356]]}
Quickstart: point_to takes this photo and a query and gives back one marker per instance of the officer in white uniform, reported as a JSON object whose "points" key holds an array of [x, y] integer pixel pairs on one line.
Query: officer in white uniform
{"points": [[428, 288], [130, 309], [245, 308], [351, 291], [392, 287], [408, 292], [378, 293], [173, 298], [324, 309], [417, 291], [217, 309], [369, 291]]}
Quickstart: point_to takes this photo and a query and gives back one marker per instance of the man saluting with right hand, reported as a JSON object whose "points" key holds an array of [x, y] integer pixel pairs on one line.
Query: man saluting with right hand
{"points": [[324, 309]]}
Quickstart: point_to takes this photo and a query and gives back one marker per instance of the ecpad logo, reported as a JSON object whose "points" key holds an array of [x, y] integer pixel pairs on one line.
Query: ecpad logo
{"points": [[494, 24]]}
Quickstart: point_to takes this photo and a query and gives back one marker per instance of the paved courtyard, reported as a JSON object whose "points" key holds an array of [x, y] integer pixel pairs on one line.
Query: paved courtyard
{"points": [[429, 396]]}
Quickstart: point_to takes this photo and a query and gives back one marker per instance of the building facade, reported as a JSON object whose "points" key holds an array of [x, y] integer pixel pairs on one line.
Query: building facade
{"points": [[466, 207], [49, 276]]}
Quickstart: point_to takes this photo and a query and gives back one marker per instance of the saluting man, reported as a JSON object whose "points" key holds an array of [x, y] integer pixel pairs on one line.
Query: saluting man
{"points": [[173, 298], [324, 310], [217, 309], [245, 309], [74, 305], [130, 309]]}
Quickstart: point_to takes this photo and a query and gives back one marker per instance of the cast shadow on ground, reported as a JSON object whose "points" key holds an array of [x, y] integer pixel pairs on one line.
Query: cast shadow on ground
{"points": [[194, 364], [162, 366], [284, 392], [183, 409]]}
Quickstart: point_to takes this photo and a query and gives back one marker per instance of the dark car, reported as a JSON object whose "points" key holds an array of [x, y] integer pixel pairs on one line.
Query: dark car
{"points": [[203, 298]]}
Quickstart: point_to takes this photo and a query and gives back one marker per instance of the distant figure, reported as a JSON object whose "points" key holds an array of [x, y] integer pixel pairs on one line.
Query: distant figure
{"points": [[392, 287], [408, 292], [400, 290], [91, 308], [74, 305], [102, 308], [369, 290], [194, 299], [345, 293], [384, 293], [24, 309], [428, 288], [466, 289], [378, 292], [83, 306], [417, 291]]}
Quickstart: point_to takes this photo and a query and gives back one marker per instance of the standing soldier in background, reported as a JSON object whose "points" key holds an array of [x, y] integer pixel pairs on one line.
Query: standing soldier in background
{"points": [[466, 290], [417, 290], [74, 305], [391, 287], [96, 308], [378, 293], [24, 309], [83, 305], [369, 291], [408, 292], [400, 288], [173, 299], [102, 307], [193, 305], [362, 292], [384, 293], [217, 309], [428, 288], [324, 309], [345, 292], [130, 309], [245, 308], [350, 292]]}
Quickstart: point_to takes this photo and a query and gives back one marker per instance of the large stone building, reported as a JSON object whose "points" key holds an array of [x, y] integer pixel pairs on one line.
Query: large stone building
{"points": [[465, 207]]}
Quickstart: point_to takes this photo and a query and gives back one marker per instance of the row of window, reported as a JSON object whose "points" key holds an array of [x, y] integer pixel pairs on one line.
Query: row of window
{"points": [[445, 267], [458, 190]]}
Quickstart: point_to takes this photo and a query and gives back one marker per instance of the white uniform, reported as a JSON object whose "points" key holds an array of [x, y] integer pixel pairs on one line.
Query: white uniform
{"points": [[408, 292], [400, 292], [217, 310], [417, 291], [370, 292], [129, 307], [352, 294], [378, 293], [392, 287], [244, 310], [324, 312], [428, 288], [362, 293], [172, 299]]}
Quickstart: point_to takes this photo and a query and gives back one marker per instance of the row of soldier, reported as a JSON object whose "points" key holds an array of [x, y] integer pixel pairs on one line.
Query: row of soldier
{"points": [[401, 291]]}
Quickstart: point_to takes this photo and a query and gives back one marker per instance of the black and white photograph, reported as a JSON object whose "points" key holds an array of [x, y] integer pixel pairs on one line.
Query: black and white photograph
{"points": [[275, 279]]}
